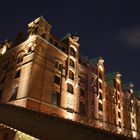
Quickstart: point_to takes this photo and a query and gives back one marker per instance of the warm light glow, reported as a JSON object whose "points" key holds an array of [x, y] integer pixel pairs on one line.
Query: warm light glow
{"points": [[30, 44], [3, 49], [76, 85], [118, 80], [70, 116], [134, 134], [100, 80], [31, 37], [101, 68]]}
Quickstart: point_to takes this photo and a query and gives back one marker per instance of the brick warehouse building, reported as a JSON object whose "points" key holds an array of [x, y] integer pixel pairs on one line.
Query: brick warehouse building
{"points": [[47, 74]]}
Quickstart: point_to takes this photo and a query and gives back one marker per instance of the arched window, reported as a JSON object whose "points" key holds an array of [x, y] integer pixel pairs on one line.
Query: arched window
{"points": [[71, 75], [72, 63], [58, 66], [70, 88], [56, 98], [14, 93], [57, 80], [72, 52]]}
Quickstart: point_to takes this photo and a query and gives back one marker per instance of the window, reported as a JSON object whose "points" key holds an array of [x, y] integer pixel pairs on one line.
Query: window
{"points": [[17, 75], [69, 88], [55, 44], [82, 92], [71, 75], [72, 63], [72, 52], [100, 85], [100, 106], [119, 114], [14, 93], [119, 124], [5, 66], [119, 105], [58, 66], [56, 98], [100, 95], [2, 79], [0, 94], [63, 49], [82, 108], [132, 120], [100, 75], [51, 41], [19, 57], [57, 80], [70, 102]]}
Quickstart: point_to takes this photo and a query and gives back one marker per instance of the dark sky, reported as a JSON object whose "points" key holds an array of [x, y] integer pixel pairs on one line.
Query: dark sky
{"points": [[107, 28]]}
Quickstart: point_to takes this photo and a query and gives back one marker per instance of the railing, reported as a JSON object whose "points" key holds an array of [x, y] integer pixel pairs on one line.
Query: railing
{"points": [[97, 123]]}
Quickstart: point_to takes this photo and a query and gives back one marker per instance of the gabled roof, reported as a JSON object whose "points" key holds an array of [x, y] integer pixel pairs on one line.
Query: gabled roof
{"points": [[110, 83], [95, 60], [137, 94], [127, 86], [111, 76], [66, 36]]}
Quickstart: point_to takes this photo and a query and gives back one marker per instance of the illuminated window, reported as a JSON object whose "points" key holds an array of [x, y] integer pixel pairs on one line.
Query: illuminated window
{"points": [[100, 106], [82, 92], [72, 63], [71, 75], [17, 75], [70, 102], [58, 66], [69, 88], [72, 52], [56, 98], [82, 108], [14, 93], [57, 80]]}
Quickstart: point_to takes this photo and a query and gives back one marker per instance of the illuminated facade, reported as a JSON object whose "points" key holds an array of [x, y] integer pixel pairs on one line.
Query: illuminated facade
{"points": [[47, 74]]}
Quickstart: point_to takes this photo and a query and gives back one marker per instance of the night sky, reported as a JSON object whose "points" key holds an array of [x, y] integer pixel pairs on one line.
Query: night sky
{"points": [[107, 28]]}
